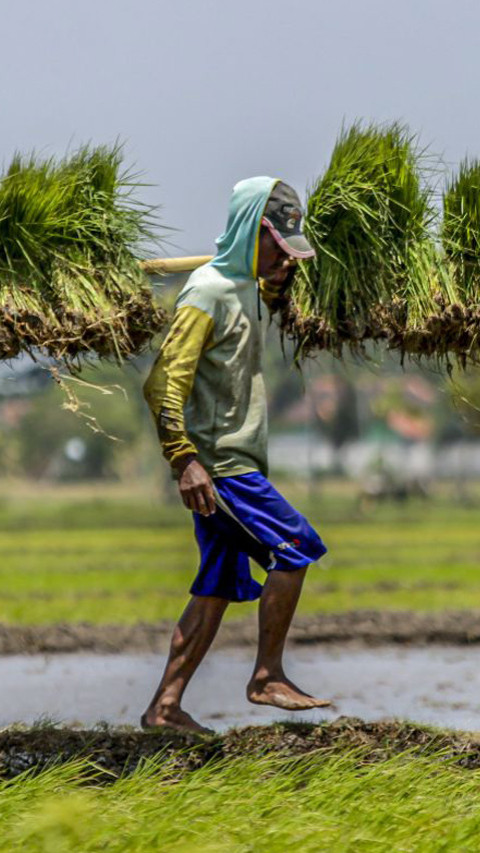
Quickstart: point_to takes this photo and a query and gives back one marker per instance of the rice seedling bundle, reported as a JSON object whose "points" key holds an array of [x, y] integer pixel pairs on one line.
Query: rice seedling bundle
{"points": [[379, 273], [461, 228], [70, 283], [460, 237]]}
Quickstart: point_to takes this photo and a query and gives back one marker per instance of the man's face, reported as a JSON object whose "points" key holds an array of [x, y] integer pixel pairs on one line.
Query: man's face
{"points": [[274, 264]]}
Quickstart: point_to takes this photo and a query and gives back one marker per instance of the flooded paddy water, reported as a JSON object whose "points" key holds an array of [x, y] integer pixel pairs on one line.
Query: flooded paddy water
{"points": [[434, 684]]}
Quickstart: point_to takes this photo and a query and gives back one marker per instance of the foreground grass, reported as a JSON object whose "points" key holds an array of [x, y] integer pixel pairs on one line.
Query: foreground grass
{"points": [[315, 803], [125, 561]]}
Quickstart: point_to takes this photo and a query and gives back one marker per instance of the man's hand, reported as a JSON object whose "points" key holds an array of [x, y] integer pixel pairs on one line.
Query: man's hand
{"points": [[195, 486]]}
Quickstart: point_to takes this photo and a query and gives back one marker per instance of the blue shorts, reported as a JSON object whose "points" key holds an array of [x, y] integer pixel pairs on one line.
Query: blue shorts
{"points": [[252, 520]]}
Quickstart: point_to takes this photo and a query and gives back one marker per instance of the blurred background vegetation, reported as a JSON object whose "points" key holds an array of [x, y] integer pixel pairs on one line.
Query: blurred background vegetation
{"points": [[328, 405]]}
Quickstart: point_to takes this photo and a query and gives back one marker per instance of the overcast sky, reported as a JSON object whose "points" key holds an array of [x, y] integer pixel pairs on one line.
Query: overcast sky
{"points": [[205, 92]]}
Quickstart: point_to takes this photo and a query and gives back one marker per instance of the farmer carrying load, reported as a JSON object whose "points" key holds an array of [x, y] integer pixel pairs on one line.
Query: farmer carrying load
{"points": [[207, 395]]}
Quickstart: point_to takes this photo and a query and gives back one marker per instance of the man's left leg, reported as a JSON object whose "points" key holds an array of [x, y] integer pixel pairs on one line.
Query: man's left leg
{"points": [[269, 684], [223, 576], [192, 637]]}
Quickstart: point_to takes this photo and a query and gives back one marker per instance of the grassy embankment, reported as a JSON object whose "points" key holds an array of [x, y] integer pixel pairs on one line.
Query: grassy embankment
{"points": [[320, 802], [125, 560]]}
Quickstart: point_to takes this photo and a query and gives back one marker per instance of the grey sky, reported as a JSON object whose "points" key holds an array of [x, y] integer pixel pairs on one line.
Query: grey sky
{"points": [[206, 92]]}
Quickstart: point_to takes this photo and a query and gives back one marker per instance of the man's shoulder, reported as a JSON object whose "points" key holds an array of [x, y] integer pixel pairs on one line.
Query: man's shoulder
{"points": [[204, 289]]}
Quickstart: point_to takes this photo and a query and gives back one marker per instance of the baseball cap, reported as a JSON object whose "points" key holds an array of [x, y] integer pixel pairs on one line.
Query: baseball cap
{"points": [[283, 218]]}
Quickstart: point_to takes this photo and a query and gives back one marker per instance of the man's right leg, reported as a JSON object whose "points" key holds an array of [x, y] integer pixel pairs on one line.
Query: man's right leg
{"points": [[269, 684], [191, 640]]}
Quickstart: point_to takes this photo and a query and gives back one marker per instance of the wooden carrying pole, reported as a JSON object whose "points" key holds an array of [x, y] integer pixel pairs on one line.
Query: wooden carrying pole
{"points": [[168, 266]]}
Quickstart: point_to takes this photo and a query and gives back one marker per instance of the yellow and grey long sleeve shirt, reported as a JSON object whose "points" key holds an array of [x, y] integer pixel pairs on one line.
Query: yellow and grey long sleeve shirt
{"points": [[206, 388]]}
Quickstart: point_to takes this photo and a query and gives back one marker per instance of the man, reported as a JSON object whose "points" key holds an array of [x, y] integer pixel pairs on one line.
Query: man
{"points": [[207, 395]]}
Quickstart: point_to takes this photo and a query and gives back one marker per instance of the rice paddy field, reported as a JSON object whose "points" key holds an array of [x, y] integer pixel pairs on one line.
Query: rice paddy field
{"points": [[85, 557], [121, 556]]}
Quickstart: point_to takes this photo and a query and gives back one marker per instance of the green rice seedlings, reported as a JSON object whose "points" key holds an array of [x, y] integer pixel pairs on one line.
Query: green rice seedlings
{"points": [[70, 235], [369, 218], [453, 326], [461, 228]]}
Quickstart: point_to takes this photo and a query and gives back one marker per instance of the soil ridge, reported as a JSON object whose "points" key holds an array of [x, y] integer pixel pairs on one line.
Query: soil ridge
{"points": [[115, 752], [370, 627]]}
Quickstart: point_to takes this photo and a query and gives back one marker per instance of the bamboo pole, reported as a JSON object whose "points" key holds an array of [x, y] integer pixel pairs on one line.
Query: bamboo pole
{"points": [[166, 266]]}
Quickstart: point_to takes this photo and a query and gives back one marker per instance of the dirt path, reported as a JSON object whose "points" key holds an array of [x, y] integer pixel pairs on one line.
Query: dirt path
{"points": [[116, 751], [373, 627]]}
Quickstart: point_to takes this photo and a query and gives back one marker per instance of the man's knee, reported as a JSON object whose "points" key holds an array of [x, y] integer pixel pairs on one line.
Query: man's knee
{"points": [[209, 606]]}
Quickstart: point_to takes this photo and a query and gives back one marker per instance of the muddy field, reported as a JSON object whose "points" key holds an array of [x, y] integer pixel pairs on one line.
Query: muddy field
{"points": [[373, 627], [430, 685], [118, 751]]}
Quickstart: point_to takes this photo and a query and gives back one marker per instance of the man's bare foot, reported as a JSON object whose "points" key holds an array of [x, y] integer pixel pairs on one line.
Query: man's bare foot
{"points": [[282, 693], [173, 717]]}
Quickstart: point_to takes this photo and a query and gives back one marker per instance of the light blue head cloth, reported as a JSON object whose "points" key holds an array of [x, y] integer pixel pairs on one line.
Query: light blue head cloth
{"points": [[238, 245]]}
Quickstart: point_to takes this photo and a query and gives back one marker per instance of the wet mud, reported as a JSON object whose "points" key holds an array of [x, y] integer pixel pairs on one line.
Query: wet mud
{"points": [[430, 685], [371, 627], [116, 752]]}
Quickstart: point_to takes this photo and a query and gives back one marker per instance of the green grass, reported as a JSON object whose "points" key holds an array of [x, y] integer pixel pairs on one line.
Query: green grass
{"points": [[335, 802], [125, 561]]}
